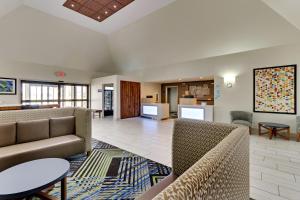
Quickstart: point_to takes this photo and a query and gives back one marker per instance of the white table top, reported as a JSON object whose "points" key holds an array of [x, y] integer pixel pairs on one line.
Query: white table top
{"points": [[30, 176]]}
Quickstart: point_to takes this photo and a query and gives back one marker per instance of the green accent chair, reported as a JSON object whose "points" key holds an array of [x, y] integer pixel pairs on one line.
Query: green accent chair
{"points": [[298, 128], [242, 118]]}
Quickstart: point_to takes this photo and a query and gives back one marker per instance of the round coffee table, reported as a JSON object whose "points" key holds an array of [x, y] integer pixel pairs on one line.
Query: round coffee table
{"points": [[274, 129], [30, 178]]}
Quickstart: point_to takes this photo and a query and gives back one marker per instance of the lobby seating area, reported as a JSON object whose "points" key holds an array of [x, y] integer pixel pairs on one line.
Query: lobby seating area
{"points": [[149, 99], [34, 134]]}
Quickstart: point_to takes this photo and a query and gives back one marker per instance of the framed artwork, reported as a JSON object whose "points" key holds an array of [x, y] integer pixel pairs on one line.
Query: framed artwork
{"points": [[275, 89], [8, 86]]}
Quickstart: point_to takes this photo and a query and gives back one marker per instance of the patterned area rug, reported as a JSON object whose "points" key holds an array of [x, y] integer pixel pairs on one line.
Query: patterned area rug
{"points": [[111, 173]]}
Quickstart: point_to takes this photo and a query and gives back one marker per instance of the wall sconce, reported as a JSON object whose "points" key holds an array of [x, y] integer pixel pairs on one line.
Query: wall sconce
{"points": [[229, 80]]}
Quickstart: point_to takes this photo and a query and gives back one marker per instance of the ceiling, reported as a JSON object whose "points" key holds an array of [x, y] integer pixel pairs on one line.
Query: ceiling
{"points": [[7, 6], [136, 10], [98, 10], [289, 9], [183, 80], [146, 34], [203, 29]]}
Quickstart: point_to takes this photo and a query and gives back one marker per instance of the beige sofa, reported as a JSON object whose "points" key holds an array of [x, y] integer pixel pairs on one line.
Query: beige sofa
{"points": [[33, 134], [210, 161]]}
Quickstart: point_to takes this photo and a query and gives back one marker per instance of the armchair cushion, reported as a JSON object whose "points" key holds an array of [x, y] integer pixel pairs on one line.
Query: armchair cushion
{"points": [[242, 122]]}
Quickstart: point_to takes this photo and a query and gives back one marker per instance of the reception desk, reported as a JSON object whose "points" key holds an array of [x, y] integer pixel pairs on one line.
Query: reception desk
{"points": [[197, 112], [156, 111]]}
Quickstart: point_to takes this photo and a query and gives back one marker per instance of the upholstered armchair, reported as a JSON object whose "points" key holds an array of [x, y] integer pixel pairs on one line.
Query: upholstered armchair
{"points": [[242, 118], [298, 128], [209, 161]]}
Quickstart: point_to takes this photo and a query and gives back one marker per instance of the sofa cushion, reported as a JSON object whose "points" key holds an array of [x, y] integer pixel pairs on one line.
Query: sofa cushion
{"points": [[7, 134], [58, 147], [62, 126], [29, 131]]}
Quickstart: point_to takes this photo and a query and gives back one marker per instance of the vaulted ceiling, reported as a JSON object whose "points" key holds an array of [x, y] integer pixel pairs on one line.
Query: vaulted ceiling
{"points": [[133, 12], [144, 34]]}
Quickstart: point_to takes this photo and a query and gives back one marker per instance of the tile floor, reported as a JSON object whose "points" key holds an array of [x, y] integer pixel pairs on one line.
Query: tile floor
{"points": [[274, 164]]}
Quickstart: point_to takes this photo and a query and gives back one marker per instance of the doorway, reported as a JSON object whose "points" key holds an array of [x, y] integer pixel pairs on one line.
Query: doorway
{"points": [[172, 99], [130, 97], [108, 100]]}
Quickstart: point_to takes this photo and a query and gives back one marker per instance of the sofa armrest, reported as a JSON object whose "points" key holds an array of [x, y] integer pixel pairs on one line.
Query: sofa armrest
{"points": [[83, 126], [192, 139]]}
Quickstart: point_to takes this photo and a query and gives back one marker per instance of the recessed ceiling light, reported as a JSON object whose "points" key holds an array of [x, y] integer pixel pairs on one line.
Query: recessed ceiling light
{"points": [[88, 7], [98, 17]]}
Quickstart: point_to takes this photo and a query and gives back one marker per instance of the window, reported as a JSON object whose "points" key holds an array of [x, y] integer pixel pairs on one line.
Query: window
{"points": [[63, 94], [37, 93], [74, 95]]}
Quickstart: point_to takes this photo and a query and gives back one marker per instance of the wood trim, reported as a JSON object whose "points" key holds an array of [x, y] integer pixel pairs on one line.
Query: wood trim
{"points": [[6, 108]]}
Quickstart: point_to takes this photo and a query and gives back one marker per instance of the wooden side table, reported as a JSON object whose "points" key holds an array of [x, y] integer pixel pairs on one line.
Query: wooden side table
{"points": [[274, 129], [95, 112]]}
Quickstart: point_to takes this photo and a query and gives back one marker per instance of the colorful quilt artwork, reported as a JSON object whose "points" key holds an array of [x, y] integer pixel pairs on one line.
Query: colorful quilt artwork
{"points": [[275, 89]]}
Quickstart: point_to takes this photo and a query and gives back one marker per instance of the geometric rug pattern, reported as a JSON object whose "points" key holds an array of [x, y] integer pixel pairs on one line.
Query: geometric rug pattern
{"points": [[111, 173]]}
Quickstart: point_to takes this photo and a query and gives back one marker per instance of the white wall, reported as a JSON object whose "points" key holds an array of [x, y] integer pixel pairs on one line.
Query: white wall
{"points": [[151, 89], [240, 96], [29, 71], [29, 35], [35, 45], [97, 97]]}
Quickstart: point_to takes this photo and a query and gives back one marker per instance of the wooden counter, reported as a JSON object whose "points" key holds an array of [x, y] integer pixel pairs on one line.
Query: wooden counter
{"points": [[10, 107], [20, 107]]}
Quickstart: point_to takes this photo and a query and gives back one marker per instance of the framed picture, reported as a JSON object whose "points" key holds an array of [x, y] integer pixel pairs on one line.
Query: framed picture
{"points": [[275, 89], [8, 86]]}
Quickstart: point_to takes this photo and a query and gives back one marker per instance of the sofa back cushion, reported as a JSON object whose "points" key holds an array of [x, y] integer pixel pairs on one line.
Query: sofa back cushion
{"points": [[34, 114], [7, 134], [29, 131], [62, 126]]}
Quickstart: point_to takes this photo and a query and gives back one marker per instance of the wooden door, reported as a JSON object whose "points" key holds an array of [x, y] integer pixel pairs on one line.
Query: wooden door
{"points": [[130, 99]]}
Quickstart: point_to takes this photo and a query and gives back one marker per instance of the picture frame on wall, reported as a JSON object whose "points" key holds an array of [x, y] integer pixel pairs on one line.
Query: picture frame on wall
{"points": [[8, 86], [275, 89]]}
